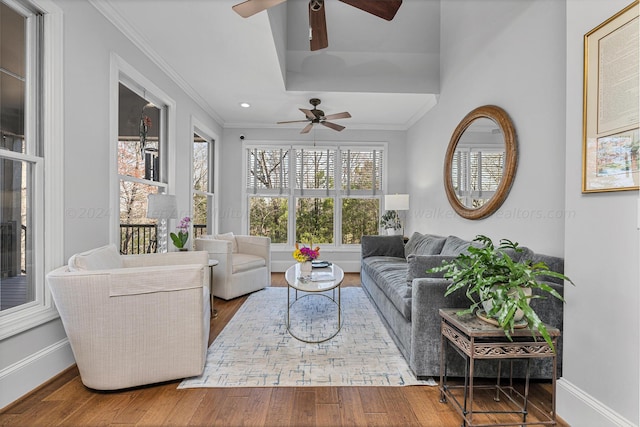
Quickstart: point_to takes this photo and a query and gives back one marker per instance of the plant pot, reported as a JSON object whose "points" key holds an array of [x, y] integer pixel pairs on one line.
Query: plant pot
{"points": [[392, 231], [487, 304]]}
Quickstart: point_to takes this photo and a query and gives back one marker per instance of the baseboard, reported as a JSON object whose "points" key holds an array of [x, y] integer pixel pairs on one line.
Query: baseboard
{"points": [[24, 376], [578, 408]]}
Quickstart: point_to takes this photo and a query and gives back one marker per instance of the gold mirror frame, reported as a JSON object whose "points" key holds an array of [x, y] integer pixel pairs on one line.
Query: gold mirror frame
{"points": [[502, 119]]}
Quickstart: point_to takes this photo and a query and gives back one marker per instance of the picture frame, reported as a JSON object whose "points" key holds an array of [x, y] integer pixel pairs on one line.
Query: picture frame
{"points": [[611, 104]]}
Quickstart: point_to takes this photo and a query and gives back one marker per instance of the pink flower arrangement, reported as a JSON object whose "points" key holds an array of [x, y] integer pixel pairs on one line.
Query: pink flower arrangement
{"points": [[302, 254]]}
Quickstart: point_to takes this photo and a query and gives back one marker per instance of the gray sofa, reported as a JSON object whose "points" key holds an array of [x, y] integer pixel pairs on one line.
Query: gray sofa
{"points": [[394, 276]]}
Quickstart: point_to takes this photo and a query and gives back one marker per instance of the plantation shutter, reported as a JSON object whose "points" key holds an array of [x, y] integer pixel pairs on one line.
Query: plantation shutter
{"points": [[361, 171], [268, 170]]}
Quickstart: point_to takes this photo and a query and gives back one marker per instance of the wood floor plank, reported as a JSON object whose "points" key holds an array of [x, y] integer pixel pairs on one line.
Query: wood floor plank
{"points": [[304, 408], [280, 407], [327, 414], [207, 411], [351, 410]]}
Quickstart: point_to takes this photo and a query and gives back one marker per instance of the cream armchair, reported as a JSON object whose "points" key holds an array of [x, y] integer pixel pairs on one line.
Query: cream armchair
{"points": [[244, 263], [134, 319]]}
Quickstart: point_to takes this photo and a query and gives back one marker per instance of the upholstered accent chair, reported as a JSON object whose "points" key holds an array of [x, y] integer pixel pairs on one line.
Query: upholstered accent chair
{"points": [[244, 263], [134, 319]]}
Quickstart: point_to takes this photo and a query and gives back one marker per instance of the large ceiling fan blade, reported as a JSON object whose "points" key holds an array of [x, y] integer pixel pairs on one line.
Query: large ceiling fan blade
{"points": [[251, 7], [385, 9], [292, 121], [307, 128], [344, 115], [308, 113], [318, 38], [332, 126]]}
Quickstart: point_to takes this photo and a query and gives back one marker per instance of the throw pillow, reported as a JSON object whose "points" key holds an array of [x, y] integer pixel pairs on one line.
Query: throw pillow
{"points": [[392, 246], [424, 244], [230, 237], [102, 258]]}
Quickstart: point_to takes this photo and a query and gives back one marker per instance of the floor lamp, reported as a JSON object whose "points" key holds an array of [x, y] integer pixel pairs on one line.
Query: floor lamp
{"points": [[162, 207], [397, 202]]}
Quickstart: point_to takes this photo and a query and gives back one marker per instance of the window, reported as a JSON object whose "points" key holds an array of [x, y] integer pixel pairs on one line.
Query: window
{"points": [[314, 195], [30, 163], [476, 175], [202, 185], [141, 165]]}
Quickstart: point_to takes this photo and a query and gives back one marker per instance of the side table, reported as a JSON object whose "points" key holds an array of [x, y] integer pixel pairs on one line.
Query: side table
{"points": [[475, 339], [212, 263]]}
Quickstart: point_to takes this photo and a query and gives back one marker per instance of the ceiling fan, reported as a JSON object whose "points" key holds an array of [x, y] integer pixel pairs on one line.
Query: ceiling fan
{"points": [[385, 9], [317, 116]]}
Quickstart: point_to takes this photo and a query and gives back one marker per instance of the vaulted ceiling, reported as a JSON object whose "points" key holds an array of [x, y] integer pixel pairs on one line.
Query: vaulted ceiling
{"points": [[385, 73]]}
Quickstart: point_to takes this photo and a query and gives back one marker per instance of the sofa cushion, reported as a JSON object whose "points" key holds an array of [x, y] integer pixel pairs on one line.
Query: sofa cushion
{"points": [[231, 238], [455, 246], [102, 258], [245, 262], [389, 274], [389, 246], [424, 244]]}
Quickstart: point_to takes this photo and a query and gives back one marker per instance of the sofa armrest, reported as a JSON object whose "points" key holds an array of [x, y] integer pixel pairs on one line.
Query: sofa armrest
{"points": [[254, 245], [220, 250], [168, 258], [419, 264], [392, 246]]}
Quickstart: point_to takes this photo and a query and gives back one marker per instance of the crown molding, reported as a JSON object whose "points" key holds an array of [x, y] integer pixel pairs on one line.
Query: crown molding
{"points": [[113, 16]]}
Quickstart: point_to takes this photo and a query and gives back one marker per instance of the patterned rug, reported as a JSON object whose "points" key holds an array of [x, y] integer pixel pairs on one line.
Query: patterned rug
{"points": [[256, 350]]}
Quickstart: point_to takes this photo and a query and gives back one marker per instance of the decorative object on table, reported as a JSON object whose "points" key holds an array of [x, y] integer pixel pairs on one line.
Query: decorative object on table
{"points": [[610, 140], [180, 239], [162, 207], [304, 255], [393, 203], [503, 287]]}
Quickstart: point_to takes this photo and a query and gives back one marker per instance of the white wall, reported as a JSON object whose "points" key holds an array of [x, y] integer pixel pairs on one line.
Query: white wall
{"points": [[30, 358], [601, 342], [232, 194], [498, 52]]}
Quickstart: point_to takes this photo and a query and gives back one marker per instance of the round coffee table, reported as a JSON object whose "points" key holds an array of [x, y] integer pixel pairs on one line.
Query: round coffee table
{"points": [[322, 280]]}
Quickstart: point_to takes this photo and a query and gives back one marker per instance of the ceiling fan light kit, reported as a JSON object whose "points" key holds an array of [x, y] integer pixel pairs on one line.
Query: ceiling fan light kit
{"points": [[316, 116], [318, 38]]}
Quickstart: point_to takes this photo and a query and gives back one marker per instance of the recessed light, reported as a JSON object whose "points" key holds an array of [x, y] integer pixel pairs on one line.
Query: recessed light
{"points": [[245, 105]]}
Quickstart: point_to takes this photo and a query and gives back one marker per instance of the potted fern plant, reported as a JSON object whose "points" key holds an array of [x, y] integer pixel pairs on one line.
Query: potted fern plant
{"points": [[502, 286]]}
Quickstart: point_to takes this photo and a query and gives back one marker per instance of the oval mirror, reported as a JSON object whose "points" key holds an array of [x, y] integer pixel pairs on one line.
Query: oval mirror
{"points": [[480, 163]]}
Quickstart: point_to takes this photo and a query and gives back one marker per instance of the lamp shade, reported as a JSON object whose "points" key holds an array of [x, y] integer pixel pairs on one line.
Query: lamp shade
{"points": [[162, 206], [396, 202]]}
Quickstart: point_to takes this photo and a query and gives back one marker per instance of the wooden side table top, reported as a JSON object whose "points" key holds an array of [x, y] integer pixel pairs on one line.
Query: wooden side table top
{"points": [[472, 326]]}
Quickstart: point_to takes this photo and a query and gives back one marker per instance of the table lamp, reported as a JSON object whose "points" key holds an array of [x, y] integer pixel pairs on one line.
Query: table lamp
{"points": [[162, 207]]}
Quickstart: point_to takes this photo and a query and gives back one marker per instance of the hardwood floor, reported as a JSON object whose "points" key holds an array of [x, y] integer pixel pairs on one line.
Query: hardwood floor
{"points": [[64, 401]]}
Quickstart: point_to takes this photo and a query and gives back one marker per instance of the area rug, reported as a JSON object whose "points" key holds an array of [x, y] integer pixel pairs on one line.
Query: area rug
{"points": [[256, 350]]}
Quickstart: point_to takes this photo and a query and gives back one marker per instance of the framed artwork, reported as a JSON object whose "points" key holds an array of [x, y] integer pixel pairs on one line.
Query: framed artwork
{"points": [[611, 104]]}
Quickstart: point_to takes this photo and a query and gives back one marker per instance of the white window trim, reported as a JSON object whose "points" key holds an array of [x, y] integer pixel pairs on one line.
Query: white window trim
{"points": [[292, 192], [198, 127], [120, 70], [51, 193]]}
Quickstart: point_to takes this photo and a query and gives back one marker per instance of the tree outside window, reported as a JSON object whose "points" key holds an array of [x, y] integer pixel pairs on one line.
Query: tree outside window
{"points": [[311, 203]]}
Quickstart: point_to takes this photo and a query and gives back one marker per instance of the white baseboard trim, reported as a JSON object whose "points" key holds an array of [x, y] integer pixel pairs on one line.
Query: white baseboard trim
{"points": [[20, 378], [579, 408]]}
